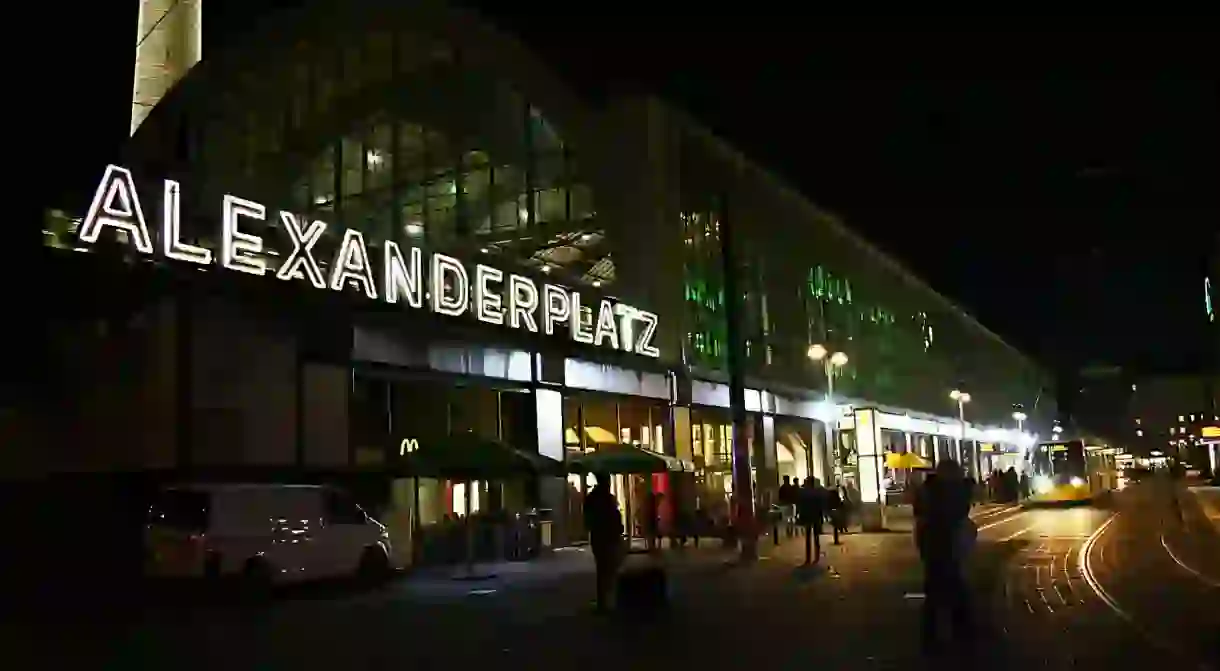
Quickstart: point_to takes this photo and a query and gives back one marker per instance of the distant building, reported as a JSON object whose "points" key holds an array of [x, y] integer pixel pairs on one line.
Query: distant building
{"points": [[1169, 412]]}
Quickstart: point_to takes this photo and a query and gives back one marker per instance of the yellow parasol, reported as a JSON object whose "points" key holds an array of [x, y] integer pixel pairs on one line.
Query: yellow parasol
{"points": [[907, 460]]}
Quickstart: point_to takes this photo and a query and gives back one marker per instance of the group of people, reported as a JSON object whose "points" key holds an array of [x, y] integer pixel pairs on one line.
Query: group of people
{"points": [[1006, 486], [944, 536], [806, 507]]}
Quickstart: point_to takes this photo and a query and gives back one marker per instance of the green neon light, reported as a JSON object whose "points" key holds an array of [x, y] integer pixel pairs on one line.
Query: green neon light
{"points": [[1207, 299]]}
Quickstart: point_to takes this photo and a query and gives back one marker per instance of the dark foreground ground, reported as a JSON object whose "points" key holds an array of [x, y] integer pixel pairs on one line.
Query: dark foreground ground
{"points": [[1043, 605]]}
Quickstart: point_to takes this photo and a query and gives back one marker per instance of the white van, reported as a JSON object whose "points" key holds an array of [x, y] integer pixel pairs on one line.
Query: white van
{"points": [[263, 532]]}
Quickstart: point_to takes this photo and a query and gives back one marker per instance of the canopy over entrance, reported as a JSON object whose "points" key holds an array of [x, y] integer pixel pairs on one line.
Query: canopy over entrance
{"points": [[617, 458], [466, 456]]}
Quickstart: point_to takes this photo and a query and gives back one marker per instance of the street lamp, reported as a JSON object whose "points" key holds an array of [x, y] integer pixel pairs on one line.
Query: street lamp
{"points": [[962, 399], [831, 361], [1020, 417]]}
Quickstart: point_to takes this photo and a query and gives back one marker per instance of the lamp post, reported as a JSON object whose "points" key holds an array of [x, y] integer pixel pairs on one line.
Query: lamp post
{"points": [[1020, 416], [962, 399], [831, 362]]}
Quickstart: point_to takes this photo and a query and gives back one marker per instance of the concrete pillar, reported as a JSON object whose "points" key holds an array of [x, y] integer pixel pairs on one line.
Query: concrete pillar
{"points": [[552, 492], [869, 452], [243, 388]]}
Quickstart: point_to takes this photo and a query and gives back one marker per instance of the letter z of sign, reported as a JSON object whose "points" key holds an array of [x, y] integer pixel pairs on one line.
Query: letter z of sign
{"points": [[644, 344], [301, 258]]}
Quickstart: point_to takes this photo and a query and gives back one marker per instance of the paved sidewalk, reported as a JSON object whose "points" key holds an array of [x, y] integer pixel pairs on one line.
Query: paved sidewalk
{"points": [[1208, 498], [1194, 539], [851, 612]]}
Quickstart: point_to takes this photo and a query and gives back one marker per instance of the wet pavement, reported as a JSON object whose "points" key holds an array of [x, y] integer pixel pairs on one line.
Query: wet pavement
{"points": [[1042, 601]]}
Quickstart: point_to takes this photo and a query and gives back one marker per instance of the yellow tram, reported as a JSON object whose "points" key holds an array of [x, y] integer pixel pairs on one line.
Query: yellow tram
{"points": [[1071, 472]]}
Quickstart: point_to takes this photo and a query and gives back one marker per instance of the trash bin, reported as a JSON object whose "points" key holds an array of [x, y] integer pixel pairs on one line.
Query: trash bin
{"points": [[544, 531]]}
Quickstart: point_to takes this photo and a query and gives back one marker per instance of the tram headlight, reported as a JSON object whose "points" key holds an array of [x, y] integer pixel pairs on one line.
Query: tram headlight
{"points": [[1077, 482], [1043, 484]]}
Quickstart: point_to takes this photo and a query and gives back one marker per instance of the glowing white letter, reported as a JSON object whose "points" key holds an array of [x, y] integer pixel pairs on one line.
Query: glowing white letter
{"points": [[301, 259], [171, 230], [453, 305], [236, 247], [580, 331], [644, 344], [488, 305], [606, 326], [522, 301], [400, 277], [626, 326], [558, 309], [116, 204], [352, 263]]}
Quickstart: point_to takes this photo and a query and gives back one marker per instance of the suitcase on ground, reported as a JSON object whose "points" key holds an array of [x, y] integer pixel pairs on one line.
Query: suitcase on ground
{"points": [[642, 587]]}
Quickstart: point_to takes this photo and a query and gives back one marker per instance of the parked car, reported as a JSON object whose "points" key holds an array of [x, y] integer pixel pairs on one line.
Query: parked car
{"points": [[265, 533]]}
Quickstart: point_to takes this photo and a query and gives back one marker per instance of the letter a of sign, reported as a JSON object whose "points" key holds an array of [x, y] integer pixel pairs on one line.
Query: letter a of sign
{"points": [[116, 204]]}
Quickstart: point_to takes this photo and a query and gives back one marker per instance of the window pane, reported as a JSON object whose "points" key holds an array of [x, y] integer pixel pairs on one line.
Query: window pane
{"points": [[476, 196], [474, 410], [353, 73], [551, 206], [352, 180], [324, 83], [379, 64], [581, 202], [545, 139], [506, 198], [440, 156], [322, 178], [441, 216], [411, 152], [379, 157], [411, 207]]}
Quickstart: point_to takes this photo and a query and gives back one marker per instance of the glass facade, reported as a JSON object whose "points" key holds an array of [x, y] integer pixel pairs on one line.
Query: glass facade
{"points": [[389, 415], [804, 280], [594, 420], [395, 136]]}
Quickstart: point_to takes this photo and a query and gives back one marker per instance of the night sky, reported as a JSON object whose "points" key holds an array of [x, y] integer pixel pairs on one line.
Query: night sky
{"points": [[1059, 185]]}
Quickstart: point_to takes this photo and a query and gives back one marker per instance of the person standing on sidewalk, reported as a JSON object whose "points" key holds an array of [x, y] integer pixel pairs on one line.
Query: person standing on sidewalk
{"points": [[834, 508], [787, 504], [810, 510], [604, 523], [944, 535]]}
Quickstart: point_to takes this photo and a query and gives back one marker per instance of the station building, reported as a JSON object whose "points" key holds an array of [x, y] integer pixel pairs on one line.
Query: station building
{"points": [[498, 256]]}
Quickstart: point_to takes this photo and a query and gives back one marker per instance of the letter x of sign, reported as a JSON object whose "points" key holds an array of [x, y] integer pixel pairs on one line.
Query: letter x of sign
{"points": [[301, 260]]}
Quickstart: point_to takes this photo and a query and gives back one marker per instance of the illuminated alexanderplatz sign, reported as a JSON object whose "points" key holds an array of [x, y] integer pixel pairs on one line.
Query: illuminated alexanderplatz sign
{"points": [[445, 283]]}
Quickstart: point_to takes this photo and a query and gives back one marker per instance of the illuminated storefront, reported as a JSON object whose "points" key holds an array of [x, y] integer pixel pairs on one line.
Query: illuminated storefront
{"points": [[385, 224]]}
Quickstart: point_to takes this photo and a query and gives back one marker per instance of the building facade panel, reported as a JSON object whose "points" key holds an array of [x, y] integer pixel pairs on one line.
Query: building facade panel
{"points": [[436, 134], [806, 280]]}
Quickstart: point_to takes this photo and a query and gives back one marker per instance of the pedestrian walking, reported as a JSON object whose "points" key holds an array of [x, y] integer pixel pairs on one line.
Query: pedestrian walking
{"points": [[834, 507], [811, 511], [787, 503], [605, 525], [945, 535]]}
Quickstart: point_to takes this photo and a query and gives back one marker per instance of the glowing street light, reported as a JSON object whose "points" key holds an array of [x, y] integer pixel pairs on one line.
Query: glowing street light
{"points": [[1020, 417], [831, 361], [962, 399]]}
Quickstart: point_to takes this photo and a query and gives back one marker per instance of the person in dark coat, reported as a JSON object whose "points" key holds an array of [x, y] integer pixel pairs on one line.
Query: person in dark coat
{"points": [[605, 525], [834, 509], [787, 504], [810, 511], [942, 524]]}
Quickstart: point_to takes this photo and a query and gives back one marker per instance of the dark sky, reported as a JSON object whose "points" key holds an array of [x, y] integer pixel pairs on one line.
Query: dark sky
{"points": [[1057, 183]]}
